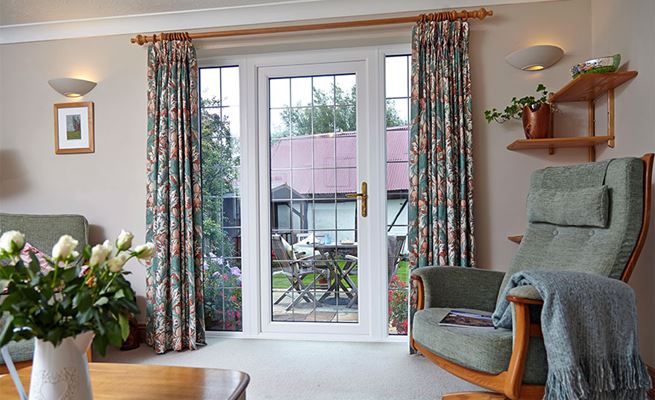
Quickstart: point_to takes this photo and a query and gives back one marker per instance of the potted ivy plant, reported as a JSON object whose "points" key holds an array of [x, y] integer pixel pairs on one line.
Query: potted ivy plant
{"points": [[65, 302], [534, 111]]}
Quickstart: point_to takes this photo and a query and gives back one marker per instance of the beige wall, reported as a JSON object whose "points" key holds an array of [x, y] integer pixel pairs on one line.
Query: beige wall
{"points": [[628, 27], [502, 176], [32, 178], [108, 186]]}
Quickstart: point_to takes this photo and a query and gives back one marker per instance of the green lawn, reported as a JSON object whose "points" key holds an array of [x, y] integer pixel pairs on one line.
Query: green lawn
{"points": [[281, 281], [74, 135]]}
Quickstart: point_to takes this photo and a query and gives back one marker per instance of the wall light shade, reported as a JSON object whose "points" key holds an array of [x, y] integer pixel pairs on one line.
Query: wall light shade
{"points": [[71, 87], [535, 58]]}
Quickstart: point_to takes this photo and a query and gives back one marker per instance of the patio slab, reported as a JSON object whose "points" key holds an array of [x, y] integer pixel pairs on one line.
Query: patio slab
{"points": [[309, 312]]}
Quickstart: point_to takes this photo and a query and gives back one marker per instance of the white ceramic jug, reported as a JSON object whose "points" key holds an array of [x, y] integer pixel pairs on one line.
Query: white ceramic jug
{"points": [[62, 372]]}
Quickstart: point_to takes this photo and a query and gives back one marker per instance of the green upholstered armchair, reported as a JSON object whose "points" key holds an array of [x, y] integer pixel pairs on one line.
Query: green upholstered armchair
{"points": [[42, 232], [589, 217]]}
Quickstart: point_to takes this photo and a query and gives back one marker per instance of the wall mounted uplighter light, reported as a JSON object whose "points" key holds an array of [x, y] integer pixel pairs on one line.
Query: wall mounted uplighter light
{"points": [[71, 87], [535, 58]]}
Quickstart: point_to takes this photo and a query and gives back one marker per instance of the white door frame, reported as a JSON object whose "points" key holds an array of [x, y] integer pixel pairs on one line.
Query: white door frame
{"points": [[362, 327], [255, 195]]}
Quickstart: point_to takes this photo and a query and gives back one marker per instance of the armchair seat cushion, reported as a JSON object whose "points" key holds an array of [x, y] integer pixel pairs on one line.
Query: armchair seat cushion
{"points": [[484, 350]]}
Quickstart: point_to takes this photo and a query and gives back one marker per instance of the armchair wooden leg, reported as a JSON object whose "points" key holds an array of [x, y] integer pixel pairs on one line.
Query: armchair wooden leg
{"points": [[473, 396]]}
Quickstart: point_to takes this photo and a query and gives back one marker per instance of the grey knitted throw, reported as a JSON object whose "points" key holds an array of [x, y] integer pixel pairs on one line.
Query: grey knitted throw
{"points": [[589, 326]]}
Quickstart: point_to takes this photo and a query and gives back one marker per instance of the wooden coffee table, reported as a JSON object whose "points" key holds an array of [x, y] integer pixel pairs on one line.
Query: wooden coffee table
{"points": [[146, 382]]}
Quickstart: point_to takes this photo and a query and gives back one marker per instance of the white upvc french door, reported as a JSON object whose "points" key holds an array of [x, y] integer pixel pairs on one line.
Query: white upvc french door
{"points": [[316, 152]]}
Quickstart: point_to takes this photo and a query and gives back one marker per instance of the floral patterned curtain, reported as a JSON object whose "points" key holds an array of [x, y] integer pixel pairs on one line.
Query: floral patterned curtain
{"points": [[441, 146], [174, 282]]}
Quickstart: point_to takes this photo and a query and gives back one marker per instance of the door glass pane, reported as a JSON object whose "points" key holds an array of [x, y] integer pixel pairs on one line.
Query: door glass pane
{"points": [[219, 113], [313, 143], [397, 89]]}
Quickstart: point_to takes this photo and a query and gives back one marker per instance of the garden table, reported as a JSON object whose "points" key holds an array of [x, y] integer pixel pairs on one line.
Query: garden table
{"points": [[340, 266]]}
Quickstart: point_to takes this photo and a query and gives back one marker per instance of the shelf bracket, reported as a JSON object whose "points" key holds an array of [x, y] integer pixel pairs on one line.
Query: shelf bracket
{"points": [[610, 117], [591, 128]]}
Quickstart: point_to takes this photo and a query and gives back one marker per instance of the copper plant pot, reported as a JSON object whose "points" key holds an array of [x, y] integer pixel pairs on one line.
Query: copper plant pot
{"points": [[536, 123]]}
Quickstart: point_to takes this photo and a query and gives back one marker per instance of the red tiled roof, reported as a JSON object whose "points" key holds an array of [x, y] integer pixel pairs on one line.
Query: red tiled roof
{"points": [[326, 163]]}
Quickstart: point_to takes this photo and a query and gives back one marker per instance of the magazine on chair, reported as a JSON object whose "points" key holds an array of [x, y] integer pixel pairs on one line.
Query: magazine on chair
{"points": [[461, 318]]}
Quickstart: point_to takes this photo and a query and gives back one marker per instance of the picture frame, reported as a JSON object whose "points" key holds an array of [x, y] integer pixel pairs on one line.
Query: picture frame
{"points": [[74, 128]]}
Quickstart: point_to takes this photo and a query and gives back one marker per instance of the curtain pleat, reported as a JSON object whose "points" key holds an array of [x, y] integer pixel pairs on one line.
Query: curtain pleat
{"points": [[174, 279]]}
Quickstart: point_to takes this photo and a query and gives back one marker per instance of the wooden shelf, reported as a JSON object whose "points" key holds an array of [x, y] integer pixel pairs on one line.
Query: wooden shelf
{"points": [[560, 142], [515, 239], [587, 87]]}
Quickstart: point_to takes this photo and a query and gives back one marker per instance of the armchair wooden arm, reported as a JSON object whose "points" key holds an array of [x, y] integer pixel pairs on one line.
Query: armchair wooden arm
{"points": [[524, 300], [523, 330]]}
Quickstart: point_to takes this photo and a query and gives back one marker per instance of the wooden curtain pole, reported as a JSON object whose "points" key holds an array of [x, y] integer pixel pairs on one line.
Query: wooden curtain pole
{"points": [[481, 14]]}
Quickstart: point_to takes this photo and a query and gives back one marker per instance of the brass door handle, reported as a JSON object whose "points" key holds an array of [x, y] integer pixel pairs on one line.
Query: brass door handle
{"points": [[363, 196]]}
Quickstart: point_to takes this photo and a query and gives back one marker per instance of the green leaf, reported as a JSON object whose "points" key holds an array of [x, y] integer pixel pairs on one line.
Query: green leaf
{"points": [[65, 303], [34, 266], [55, 335], [69, 274], [82, 301], [100, 344], [85, 316], [114, 334], [100, 326], [101, 302], [86, 253], [119, 294], [71, 289], [124, 322]]}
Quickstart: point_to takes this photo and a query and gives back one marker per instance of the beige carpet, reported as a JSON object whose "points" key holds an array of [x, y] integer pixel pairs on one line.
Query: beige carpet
{"points": [[288, 370]]}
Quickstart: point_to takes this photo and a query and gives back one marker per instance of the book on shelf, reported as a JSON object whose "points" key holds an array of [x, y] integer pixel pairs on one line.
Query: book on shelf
{"points": [[468, 319]]}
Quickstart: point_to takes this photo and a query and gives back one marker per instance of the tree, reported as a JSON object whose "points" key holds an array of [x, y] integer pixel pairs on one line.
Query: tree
{"points": [[220, 172], [326, 117]]}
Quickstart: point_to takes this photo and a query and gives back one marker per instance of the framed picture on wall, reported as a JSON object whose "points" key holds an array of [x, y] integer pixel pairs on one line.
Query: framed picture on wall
{"points": [[74, 128]]}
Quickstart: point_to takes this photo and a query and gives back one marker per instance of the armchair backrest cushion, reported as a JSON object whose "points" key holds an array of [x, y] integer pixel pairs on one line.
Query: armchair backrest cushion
{"points": [[43, 231], [599, 250], [579, 207]]}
